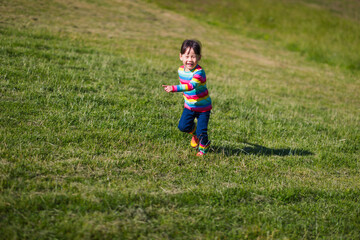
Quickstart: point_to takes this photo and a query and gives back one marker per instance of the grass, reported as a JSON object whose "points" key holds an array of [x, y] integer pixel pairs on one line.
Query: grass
{"points": [[323, 31], [89, 147]]}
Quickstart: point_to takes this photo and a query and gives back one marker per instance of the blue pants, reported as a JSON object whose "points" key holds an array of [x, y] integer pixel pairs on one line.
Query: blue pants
{"points": [[186, 124]]}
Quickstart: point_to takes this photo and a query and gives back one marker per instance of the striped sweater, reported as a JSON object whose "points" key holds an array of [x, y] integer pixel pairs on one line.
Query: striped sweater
{"points": [[193, 86]]}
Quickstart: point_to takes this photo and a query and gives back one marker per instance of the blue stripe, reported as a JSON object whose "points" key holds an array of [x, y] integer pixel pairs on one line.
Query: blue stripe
{"points": [[196, 91], [202, 103], [186, 76], [200, 73]]}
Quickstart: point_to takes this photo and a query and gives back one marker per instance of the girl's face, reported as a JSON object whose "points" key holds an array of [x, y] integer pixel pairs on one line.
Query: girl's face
{"points": [[189, 59]]}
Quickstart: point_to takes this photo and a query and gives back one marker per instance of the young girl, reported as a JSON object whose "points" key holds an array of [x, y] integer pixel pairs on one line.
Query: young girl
{"points": [[197, 100]]}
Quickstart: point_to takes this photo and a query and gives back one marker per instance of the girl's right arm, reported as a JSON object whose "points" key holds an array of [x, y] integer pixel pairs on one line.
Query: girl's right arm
{"points": [[197, 80], [168, 88]]}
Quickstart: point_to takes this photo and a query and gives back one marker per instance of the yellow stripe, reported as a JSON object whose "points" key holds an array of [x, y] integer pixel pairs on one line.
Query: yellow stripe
{"points": [[196, 100], [196, 80]]}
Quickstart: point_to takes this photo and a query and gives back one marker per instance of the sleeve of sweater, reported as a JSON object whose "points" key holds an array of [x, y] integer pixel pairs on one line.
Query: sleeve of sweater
{"points": [[198, 78]]}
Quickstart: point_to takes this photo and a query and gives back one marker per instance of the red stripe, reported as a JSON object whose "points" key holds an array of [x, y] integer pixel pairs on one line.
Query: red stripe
{"points": [[200, 78], [197, 96], [184, 81], [190, 87], [204, 146], [199, 109]]}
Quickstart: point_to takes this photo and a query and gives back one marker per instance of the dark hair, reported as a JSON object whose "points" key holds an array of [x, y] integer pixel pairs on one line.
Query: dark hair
{"points": [[192, 44]]}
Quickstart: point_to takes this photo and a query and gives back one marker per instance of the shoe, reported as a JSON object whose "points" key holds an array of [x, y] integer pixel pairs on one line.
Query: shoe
{"points": [[194, 142], [203, 149], [200, 154]]}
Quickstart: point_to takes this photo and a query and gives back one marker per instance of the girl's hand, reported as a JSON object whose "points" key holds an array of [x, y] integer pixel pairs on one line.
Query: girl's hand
{"points": [[167, 88]]}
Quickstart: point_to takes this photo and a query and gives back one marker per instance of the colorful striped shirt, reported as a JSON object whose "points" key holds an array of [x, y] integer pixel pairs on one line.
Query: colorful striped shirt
{"points": [[193, 86]]}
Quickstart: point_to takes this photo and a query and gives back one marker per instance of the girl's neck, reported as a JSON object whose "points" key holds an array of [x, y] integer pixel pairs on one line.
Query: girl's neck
{"points": [[189, 70]]}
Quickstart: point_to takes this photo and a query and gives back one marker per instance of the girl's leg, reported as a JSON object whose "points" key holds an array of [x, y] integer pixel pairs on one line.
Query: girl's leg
{"points": [[186, 123], [202, 128]]}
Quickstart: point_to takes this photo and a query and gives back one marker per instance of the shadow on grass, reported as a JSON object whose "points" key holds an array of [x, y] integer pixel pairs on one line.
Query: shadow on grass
{"points": [[259, 150]]}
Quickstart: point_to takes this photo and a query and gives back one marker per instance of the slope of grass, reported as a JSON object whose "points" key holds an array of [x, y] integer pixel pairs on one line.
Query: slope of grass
{"points": [[307, 27], [89, 146]]}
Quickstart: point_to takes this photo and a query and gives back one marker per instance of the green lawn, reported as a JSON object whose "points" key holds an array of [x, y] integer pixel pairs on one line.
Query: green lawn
{"points": [[89, 145]]}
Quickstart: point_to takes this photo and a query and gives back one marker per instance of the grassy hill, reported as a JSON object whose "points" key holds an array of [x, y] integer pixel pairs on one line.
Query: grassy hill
{"points": [[89, 146]]}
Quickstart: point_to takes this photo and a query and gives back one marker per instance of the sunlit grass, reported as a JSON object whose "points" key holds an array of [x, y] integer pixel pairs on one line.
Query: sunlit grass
{"points": [[307, 27], [89, 145]]}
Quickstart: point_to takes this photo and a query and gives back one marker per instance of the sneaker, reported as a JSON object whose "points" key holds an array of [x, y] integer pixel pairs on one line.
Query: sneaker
{"points": [[194, 142], [203, 149], [200, 154]]}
